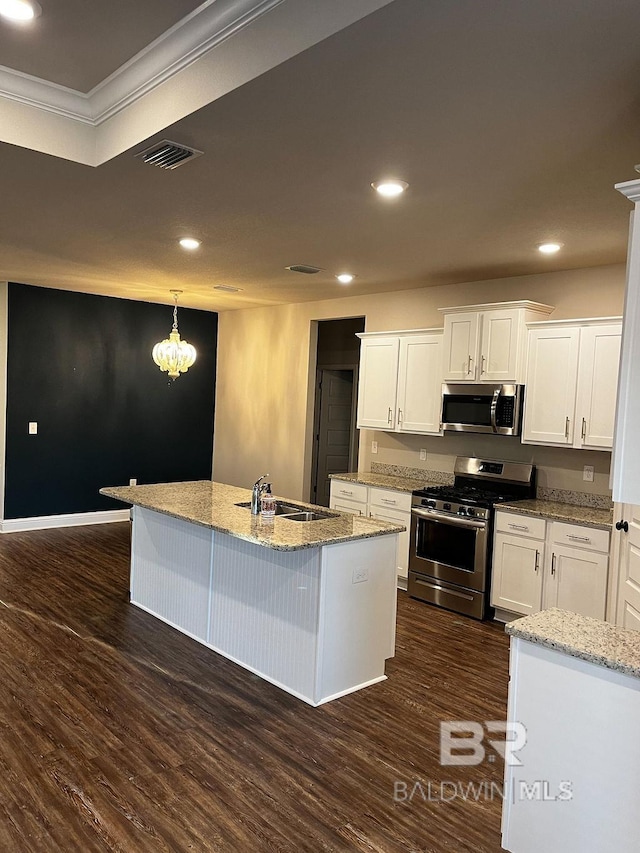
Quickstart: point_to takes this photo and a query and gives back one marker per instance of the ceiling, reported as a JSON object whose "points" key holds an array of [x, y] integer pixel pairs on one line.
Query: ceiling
{"points": [[511, 123]]}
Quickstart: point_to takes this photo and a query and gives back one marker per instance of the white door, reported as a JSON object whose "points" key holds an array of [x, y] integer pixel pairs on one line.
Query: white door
{"points": [[461, 333], [378, 383], [597, 385], [628, 609], [550, 393], [576, 580], [420, 384], [499, 349], [517, 573]]}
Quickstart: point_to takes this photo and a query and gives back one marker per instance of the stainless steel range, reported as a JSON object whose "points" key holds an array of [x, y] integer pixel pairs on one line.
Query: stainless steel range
{"points": [[452, 532]]}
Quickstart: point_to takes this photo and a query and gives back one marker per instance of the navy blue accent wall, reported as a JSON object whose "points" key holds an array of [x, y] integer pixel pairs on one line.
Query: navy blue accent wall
{"points": [[80, 365]]}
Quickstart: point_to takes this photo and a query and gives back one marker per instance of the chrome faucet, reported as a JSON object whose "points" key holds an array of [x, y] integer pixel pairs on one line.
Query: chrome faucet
{"points": [[256, 494]]}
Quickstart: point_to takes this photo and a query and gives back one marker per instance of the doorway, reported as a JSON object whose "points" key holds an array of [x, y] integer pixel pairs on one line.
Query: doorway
{"points": [[335, 444]]}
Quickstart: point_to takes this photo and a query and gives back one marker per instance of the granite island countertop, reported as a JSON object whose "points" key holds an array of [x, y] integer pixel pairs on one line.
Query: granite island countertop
{"points": [[582, 637], [556, 511], [212, 505]]}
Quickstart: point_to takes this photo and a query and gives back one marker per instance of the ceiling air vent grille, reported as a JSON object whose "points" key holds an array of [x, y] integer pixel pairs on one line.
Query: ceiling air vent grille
{"points": [[304, 268], [168, 155]]}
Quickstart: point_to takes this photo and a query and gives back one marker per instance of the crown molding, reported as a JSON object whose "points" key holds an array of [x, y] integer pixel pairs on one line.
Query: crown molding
{"points": [[34, 92], [630, 189], [201, 31], [221, 45], [205, 28]]}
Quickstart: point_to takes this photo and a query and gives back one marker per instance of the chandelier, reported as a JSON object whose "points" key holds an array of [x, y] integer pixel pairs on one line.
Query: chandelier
{"points": [[173, 355]]}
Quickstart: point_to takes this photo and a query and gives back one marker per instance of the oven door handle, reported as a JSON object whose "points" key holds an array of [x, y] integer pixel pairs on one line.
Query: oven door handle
{"points": [[453, 520], [494, 409]]}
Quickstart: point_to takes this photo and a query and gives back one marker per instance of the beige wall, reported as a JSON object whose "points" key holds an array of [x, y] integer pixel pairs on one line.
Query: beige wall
{"points": [[4, 296], [266, 368]]}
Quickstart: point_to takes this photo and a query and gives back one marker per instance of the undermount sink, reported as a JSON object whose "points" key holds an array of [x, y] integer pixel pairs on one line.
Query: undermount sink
{"points": [[293, 512], [282, 508], [309, 515]]}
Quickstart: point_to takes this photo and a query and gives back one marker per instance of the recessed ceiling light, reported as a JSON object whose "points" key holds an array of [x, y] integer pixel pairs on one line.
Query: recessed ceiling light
{"points": [[390, 188], [345, 278], [20, 10], [190, 243], [549, 248]]}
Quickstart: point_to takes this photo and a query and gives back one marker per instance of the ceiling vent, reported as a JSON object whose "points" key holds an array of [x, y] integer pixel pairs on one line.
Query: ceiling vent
{"points": [[304, 268], [168, 155]]}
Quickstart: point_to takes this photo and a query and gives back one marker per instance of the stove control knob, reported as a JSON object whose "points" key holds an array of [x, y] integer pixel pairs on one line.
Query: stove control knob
{"points": [[462, 510], [446, 507], [471, 511]]}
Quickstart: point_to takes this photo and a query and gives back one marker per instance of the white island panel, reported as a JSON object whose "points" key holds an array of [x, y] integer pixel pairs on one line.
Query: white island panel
{"points": [[357, 615], [171, 570], [264, 611]]}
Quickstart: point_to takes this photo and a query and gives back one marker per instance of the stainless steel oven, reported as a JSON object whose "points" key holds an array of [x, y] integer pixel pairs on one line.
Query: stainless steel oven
{"points": [[452, 529], [448, 559]]}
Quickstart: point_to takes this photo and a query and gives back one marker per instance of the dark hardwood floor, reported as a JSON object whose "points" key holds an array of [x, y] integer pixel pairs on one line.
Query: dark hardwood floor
{"points": [[120, 734]]}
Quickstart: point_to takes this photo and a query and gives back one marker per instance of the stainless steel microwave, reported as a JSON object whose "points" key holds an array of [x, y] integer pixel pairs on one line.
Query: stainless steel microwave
{"points": [[493, 409]]}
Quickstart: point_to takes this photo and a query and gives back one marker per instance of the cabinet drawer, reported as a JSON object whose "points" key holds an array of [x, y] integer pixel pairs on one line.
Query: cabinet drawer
{"points": [[523, 525], [589, 538], [389, 499], [345, 505], [350, 491]]}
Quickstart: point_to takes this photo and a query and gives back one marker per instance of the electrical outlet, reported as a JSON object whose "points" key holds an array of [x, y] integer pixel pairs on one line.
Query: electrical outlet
{"points": [[360, 575], [587, 473], [374, 446], [423, 455], [133, 481], [33, 427]]}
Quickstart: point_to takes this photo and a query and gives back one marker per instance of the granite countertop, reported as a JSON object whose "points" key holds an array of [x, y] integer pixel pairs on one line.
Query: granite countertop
{"points": [[582, 637], [556, 511], [383, 481], [212, 505]]}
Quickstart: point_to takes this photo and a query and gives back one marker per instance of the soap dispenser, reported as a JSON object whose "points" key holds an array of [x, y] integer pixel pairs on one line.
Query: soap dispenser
{"points": [[267, 503]]}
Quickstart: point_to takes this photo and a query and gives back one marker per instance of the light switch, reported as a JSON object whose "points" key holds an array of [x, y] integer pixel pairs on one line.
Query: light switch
{"points": [[33, 427]]}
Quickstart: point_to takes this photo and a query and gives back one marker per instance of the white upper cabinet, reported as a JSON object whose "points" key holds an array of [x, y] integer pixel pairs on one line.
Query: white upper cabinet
{"points": [[571, 382], [420, 383], [461, 346], [486, 343], [400, 383], [378, 382]]}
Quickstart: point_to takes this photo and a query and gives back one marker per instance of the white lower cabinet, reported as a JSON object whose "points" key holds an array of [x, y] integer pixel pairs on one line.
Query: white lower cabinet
{"points": [[381, 504], [539, 564]]}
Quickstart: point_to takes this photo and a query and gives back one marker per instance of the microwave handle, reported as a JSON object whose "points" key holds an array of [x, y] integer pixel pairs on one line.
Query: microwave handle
{"points": [[494, 409]]}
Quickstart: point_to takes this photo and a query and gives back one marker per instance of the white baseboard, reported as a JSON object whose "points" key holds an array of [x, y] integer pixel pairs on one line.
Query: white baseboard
{"points": [[74, 519]]}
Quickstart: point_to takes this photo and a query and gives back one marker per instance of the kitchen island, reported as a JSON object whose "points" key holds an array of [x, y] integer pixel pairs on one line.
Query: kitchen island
{"points": [[575, 688], [308, 605]]}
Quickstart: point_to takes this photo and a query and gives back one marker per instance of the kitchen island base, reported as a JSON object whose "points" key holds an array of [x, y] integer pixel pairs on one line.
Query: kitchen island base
{"points": [[318, 622]]}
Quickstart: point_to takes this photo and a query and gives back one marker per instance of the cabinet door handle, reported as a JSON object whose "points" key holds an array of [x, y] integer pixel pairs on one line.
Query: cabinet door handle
{"points": [[388, 501], [518, 526], [553, 564], [578, 538], [482, 365], [345, 492], [390, 415], [566, 426], [399, 416], [584, 429], [537, 566], [622, 525], [468, 365]]}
